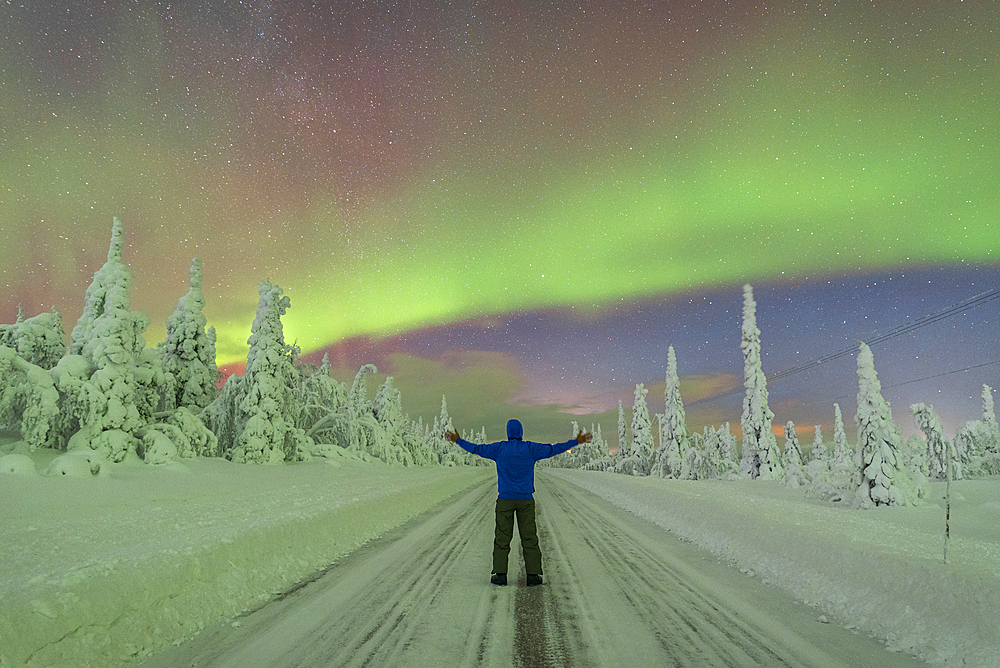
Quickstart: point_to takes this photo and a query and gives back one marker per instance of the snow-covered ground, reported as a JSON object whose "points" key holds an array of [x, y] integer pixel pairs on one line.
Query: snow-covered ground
{"points": [[98, 570], [879, 571]]}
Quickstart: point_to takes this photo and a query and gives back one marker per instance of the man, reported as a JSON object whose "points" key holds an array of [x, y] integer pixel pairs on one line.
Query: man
{"points": [[515, 460]]}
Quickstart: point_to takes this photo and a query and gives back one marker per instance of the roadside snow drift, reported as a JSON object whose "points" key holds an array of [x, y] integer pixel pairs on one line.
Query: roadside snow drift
{"points": [[101, 569], [879, 571]]}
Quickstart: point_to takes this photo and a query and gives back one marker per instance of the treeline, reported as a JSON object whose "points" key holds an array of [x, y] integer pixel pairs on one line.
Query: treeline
{"points": [[107, 396], [879, 468]]}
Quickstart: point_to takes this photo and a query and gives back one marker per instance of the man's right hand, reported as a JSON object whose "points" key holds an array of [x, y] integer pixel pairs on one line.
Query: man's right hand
{"points": [[451, 435]]}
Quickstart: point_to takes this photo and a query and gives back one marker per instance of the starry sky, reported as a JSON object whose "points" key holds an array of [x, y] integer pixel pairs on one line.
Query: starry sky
{"points": [[521, 205]]}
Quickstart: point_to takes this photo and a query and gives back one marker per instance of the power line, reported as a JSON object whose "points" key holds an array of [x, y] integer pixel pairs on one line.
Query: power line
{"points": [[946, 373], [875, 339], [910, 382]]}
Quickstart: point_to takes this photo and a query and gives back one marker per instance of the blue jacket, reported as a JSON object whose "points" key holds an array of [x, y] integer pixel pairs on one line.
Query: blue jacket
{"points": [[515, 460]]}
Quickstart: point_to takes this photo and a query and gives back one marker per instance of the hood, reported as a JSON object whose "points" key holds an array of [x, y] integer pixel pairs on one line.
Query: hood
{"points": [[514, 430]]}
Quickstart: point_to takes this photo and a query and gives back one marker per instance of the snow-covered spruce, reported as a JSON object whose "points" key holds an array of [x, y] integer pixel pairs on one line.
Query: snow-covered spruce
{"points": [[110, 385], [937, 445], [446, 454], [880, 478], [591, 456], [27, 397], [641, 450], [818, 451], [622, 450], [365, 432], [323, 406], [269, 434], [673, 427], [842, 451], [389, 415], [38, 340], [109, 336], [978, 441], [989, 413], [101, 399], [832, 479], [794, 473], [760, 448], [254, 415], [727, 464], [188, 353], [981, 439]]}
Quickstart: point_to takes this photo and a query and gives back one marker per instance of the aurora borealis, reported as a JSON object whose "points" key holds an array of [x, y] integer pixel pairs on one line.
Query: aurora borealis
{"points": [[525, 202]]}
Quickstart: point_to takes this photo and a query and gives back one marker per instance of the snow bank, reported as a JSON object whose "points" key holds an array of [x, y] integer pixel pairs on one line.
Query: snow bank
{"points": [[879, 571], [103, 568]]}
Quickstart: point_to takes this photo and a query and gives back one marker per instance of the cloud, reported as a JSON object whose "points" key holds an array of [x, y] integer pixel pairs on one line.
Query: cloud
{"points": [[482, 389], [472, 381], [700, 386]]}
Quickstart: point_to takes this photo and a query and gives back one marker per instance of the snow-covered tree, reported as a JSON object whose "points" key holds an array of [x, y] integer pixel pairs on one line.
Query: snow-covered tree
{"points": [[880, 478], [357, 399], [38, 340], [642, 436], [188, 354], [389, 414], [991, 445], [833, 477], [989, 413], [975, 438], [913, 457], [622, 436], [673, 427], [596, 450], [936, 453], [415, 440], [819, 458], [793, 451], [842, 452], [366, 434], [696, 465], [760, 448], [112, 392], [977, 442], [728, 464], [28, 397], [818, 451], [265, 430], [323, 406], [794, 473], [601, 458], [442, 423], [444, 419]]}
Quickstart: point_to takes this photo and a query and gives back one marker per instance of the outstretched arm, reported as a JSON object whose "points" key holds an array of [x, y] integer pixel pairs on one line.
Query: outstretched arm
{"points": [[484, 451], [546, 450]]}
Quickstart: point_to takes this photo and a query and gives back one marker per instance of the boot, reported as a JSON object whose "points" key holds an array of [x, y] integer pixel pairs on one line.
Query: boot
{"points": [[499, 579], [534, 579]]}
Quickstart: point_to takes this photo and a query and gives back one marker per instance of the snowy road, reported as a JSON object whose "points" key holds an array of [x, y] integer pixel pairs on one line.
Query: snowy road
{"points": [[619, 591]]}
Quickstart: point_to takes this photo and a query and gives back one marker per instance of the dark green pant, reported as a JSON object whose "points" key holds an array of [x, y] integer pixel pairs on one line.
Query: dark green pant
{"points": [[525, 512]]}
